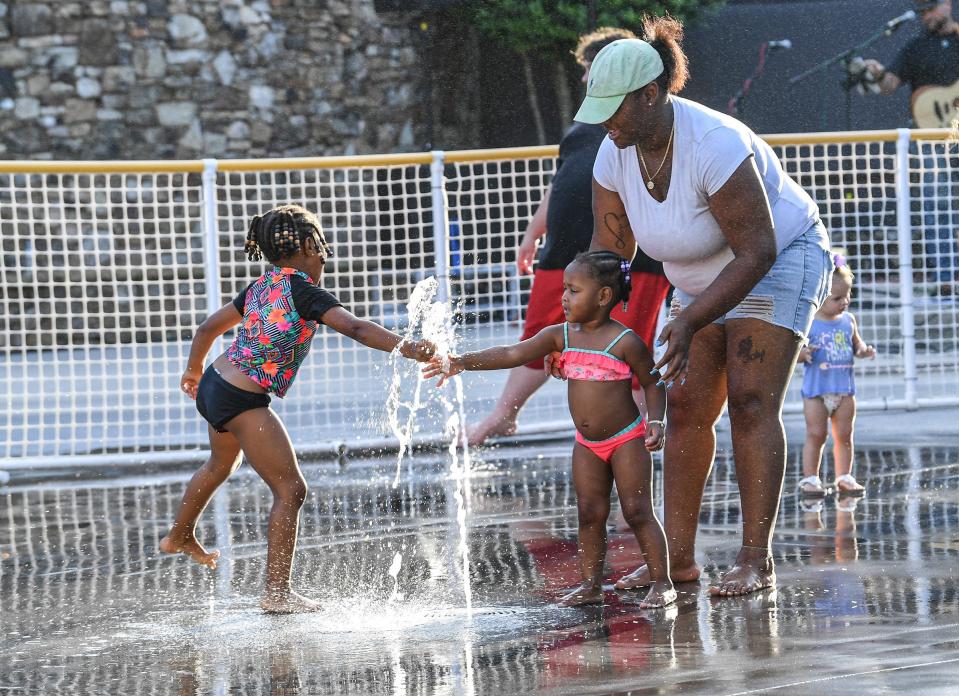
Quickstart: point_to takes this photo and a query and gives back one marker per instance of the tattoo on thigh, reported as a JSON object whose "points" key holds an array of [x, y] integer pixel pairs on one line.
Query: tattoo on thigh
{"points": [[746, 352], [618, 226]]}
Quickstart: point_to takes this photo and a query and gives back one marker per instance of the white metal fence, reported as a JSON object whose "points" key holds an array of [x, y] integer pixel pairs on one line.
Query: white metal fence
{"points": [[109, 267]]}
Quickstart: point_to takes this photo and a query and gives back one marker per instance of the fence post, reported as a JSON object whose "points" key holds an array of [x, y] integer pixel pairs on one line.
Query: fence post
{"points": [[904, 235], [211, 237], [441, 242]]}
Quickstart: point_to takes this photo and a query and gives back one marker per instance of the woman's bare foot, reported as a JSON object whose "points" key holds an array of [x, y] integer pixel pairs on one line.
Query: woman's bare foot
{"points": [[753, 571], [848, 485], [191, 547], [491, 426], [661, 594], [287, 602], [640, 577], [587, 593]]}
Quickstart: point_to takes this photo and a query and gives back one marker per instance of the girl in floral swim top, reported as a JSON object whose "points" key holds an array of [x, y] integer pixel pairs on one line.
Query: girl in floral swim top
{"points": [[613, 440], [278, 315]]}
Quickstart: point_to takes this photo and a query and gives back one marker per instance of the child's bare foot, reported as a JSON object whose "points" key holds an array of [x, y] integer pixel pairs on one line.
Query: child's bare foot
{"points": [[587, 593], [191, 547], [287, 602], [491, 426], [753, 571], [640, 577], [847, 485], [661, 594]]}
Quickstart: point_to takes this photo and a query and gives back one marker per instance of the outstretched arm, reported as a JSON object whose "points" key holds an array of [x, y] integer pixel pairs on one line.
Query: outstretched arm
{"points": [[372, 335], [497, 357], [214, 326]]}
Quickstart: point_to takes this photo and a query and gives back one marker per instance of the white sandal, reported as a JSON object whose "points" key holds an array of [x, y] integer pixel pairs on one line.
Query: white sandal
{"points": [[848, 479], [811, 481]]}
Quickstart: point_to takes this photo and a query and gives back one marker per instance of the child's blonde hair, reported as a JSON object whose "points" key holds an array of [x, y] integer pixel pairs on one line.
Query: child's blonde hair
{"points": [[842, 269]]}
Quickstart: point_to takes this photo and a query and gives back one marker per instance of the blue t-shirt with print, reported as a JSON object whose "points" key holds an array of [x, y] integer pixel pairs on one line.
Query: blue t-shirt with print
{"points": [[830, 371]]}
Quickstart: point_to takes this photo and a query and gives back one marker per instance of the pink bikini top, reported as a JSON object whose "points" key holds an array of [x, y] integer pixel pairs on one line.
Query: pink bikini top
{"points": [[593, 365]]}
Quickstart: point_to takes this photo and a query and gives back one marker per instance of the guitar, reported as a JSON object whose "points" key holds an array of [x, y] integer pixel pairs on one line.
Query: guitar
{"points": [[936, 107]]}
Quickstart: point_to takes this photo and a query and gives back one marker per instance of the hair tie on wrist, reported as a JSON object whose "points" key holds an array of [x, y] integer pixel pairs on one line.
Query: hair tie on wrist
{"points": [[627, 282]]}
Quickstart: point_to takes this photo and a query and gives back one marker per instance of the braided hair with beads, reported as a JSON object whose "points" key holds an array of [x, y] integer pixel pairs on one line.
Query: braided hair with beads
{"points": [[282, 232], [610, 270]]}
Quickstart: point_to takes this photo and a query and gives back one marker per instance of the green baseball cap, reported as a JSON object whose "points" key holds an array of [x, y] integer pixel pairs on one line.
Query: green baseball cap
{"points": [[620, 68]]}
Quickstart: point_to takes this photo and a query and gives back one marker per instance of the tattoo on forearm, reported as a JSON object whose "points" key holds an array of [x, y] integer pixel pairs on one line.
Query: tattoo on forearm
{"points": [[618, 226], [746, 352]]}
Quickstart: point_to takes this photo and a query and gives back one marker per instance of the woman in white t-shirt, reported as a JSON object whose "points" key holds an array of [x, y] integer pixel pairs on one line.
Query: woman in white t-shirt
{"points": [[748, 255]]}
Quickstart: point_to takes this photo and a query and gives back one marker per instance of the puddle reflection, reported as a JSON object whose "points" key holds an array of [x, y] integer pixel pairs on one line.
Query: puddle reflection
{"points": [[87, 606]]}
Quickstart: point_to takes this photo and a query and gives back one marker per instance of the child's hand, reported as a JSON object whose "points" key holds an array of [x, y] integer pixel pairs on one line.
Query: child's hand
{"points": [[421, 350], [655, 436], [805, 354], [553, 365], [866, 352], [189, 382], [445, 365]]}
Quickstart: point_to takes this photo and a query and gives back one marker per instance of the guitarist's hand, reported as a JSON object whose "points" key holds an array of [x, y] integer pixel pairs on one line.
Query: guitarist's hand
{"points": [[888, 82], [876, 68]]}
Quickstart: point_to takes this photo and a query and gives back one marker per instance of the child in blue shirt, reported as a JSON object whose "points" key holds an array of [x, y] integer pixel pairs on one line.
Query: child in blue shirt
{"points": [[829, 388]]}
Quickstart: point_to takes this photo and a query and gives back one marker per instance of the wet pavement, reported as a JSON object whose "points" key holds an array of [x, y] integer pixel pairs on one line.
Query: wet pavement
{"points": [[866, 601]]}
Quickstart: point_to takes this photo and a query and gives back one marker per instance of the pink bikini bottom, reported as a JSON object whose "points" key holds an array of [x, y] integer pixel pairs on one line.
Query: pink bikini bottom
{"points": [[604, 448]]}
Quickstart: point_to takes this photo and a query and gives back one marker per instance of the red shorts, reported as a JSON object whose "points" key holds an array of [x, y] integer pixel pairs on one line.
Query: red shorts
{"points": [[546, 307]]}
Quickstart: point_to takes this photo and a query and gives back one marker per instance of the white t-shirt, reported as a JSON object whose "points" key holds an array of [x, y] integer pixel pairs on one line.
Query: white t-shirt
{"points": [[681, 231]]}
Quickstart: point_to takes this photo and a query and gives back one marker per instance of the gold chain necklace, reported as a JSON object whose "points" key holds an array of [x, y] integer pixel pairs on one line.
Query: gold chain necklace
{"points": [[649, 182]]}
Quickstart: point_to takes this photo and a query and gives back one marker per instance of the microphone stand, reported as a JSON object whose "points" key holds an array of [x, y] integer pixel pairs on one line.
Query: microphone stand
{"points": [[735, 105], [845, 58]]}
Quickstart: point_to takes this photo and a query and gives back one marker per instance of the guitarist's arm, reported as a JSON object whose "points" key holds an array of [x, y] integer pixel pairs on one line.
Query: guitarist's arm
{"points": [[888, 82]]}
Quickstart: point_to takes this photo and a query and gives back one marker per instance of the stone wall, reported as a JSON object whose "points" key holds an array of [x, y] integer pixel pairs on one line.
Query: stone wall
{"points": [[127, 79]]}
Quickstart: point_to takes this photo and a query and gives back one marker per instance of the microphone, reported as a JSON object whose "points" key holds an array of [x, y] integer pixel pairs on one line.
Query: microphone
{"points": [[782, 43], [893, 24]]}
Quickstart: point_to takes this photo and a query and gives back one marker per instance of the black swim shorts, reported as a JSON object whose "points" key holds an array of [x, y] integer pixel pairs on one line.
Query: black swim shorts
{"points": [[219, 402]]}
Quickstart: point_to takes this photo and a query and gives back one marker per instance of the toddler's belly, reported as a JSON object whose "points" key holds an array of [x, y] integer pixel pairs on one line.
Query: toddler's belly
{"points": [[601, 409]]}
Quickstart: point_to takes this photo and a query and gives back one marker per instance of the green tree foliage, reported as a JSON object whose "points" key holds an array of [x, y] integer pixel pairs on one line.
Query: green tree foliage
{"points": [[550, 29], [553, 26]]}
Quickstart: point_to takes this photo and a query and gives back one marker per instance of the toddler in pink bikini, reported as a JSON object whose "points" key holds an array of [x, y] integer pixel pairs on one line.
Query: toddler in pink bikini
{"points": [[613, 440]]}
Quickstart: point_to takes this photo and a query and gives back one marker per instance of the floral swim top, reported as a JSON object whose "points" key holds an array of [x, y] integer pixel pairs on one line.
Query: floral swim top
{"points": [[280, 311]]}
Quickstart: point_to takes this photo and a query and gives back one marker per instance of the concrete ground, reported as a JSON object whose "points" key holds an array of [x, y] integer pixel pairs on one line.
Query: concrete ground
{"points": [[444, 584], [895, 427]]}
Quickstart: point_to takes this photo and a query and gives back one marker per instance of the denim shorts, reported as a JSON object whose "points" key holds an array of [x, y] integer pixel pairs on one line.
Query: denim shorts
{"points": [[791, 293]]}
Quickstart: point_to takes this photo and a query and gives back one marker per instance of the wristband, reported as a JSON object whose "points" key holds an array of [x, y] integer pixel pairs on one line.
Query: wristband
{"points": [[656, 422]]}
